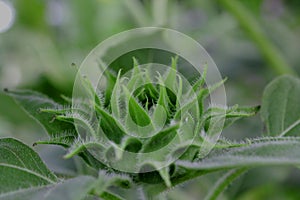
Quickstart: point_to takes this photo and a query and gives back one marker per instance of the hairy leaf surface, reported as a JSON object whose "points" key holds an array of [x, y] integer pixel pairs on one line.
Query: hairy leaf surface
{"points": [[21, 167], [32, 102], [281, 106], [276, 151], [72, 189]]}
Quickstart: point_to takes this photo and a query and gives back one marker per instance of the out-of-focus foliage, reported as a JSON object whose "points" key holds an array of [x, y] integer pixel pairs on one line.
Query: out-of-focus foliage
{"points": [[48, 36]]}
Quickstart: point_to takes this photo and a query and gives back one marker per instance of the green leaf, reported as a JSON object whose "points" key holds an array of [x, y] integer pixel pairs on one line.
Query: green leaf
{"points": [[164, 100], [136, 76], [110, 82], [171, 75], [136, 111], [231, 114], [150, 88], [164, 173], [266, 152], [111, 127], [79, 119], [62, 139], [161, 139], [131, 144], [159, 116], [110, 196], [115, 98], [39, 106], [94, 96], [201, 81], [151, 173], [21, 167], [72, 189], [32, 102], [24, 176], [280, 106], [240, 112], [82, 146], [203, 93]]}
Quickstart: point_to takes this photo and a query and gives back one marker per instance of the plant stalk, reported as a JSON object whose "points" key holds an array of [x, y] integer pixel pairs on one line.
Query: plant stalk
{"points": [[254, 30]]}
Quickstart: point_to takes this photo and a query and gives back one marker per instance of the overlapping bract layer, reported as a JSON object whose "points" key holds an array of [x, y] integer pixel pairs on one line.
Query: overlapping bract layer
{"points": [[143, 122]]}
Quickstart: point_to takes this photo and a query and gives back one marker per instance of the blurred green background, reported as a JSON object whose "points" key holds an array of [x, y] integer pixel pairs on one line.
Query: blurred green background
{"points": [[251, 41]]}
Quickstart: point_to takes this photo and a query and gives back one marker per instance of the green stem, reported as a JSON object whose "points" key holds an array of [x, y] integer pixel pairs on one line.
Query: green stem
{"points": [[248, 22], [138, 12], [224, 182]]}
